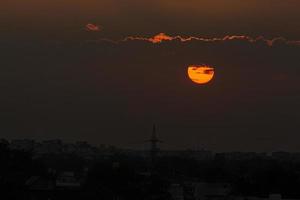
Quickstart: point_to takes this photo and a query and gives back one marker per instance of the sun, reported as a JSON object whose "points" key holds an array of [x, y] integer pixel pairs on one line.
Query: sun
{"points": [[200, 74]]}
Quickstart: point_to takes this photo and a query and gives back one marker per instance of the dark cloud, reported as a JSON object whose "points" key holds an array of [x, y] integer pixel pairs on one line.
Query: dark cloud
{"points": [[161, 37]]}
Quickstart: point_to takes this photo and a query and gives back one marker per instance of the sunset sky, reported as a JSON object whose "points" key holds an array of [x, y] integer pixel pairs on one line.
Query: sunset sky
{"points": [[105, 70]]}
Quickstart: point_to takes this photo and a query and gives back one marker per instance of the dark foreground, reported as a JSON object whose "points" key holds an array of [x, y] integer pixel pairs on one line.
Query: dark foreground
{"points": [[116, 174]]}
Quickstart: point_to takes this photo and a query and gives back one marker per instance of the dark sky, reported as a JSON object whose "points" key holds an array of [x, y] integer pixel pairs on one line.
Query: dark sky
{"points": [[60, 80]]}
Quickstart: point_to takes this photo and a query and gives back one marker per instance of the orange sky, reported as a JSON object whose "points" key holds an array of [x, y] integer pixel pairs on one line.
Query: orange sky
{"points": [[120, 18], [217, 8], [60, 80]]}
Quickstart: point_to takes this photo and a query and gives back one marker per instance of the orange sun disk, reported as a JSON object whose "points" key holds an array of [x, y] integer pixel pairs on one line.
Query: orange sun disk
{"points": [[200, 74]]}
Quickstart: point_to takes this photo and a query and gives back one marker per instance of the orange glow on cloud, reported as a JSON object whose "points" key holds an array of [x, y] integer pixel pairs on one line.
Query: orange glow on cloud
{"points": [[92, 27], [161, 37], [200, 74]]}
